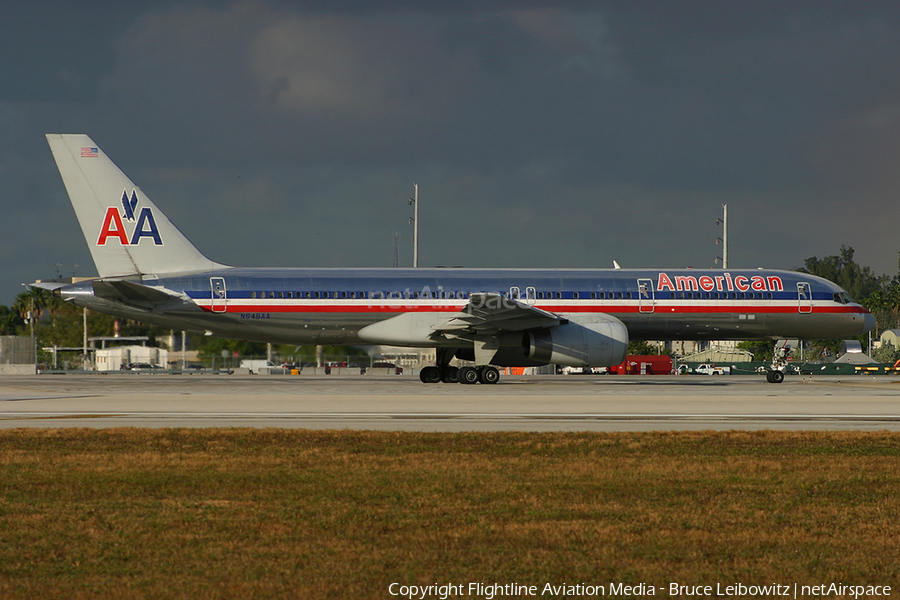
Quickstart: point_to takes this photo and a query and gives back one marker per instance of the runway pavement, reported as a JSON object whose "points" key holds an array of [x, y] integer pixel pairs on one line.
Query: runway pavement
{"points": [[402, 403]]}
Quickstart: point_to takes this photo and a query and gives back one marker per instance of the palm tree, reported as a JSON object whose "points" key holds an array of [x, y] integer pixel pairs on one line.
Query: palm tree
{"points": [[10, 321], [36, 301]]}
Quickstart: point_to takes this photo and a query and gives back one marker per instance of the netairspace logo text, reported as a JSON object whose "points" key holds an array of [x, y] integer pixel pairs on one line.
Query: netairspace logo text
{"points": [[491, 591]]}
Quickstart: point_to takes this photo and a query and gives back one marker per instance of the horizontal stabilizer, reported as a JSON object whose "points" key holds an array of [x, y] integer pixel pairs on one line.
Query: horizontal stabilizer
{"points": [[139, 295], [50, 286], [127, 291]]}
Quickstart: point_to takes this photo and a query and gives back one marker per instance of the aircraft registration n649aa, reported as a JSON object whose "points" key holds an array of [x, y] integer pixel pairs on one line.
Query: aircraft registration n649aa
{"points": [[149, 271]]}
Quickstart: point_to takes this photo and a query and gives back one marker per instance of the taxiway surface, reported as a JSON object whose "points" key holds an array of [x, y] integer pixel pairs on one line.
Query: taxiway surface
{"points": [[402, 403]]}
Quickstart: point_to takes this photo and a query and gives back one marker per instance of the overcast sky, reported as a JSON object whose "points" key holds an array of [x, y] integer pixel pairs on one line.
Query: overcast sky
{"points": [[546, 134]]}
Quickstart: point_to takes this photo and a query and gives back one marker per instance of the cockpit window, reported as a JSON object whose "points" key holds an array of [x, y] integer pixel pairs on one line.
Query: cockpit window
{"points": [[843, 298]]}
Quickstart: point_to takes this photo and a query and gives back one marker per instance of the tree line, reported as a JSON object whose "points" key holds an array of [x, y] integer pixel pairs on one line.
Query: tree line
{"points": [[879, 293]]}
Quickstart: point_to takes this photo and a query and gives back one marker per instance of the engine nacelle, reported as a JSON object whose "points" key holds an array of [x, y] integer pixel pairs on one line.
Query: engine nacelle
{"points": [[602, 343]]}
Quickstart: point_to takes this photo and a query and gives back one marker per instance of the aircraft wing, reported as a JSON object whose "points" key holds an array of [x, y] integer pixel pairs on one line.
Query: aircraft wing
{"points": [[481, 321], [487, 316], [489, 313]]}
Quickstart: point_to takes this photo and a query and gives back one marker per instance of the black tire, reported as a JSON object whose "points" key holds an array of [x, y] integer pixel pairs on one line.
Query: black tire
{"points": [[468, 375], [775, 376], [489, 375], [430, 375], [450, 375]]}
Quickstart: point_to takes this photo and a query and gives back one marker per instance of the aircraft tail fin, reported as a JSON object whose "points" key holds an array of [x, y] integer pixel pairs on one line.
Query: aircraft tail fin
{"points": [[126, 233]]}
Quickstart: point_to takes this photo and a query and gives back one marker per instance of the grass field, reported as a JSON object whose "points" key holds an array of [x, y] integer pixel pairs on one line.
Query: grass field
{"points": [[303, 514]]}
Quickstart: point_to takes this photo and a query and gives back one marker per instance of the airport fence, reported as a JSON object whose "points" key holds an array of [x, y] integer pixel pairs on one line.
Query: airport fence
{"points": [[16, 350]]}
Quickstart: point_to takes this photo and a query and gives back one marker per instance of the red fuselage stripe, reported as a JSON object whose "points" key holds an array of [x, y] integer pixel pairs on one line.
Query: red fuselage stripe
{"points": [[233, 307]]}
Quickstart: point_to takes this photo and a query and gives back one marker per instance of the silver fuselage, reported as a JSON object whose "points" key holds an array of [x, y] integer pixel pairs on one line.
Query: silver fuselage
{"points": [[330, 306]]}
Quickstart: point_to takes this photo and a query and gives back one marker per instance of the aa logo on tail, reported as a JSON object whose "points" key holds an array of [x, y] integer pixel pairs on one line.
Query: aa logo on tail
{"points": [[114, 223]]}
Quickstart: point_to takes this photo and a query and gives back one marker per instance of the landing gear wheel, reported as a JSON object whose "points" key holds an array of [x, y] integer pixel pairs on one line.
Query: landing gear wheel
{"points": [[468, 375], [775, 376], [450, 375], [430, 375], [489, 375]]}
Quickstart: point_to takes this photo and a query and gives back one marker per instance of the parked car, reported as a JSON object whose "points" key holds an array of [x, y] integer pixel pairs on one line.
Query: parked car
{"points": [[707, 369]]}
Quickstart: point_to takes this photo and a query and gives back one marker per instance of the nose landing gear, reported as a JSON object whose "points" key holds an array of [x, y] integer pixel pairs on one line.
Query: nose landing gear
{"points": [[775, 372], [774, 376]]}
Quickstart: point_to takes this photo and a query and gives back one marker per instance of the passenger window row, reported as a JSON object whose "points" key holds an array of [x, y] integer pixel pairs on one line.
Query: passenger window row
{"points": [[360, 295], [300, 295], [540, 295]]}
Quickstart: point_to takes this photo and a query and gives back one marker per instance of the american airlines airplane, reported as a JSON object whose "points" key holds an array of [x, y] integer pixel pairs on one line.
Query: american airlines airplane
{"points": [[149, 271]]}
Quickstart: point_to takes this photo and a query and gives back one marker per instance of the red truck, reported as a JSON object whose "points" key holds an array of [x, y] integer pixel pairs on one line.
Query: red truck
{"points": [[643, 365]]}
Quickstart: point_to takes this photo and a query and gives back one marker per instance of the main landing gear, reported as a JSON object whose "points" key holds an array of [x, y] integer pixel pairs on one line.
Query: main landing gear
{"points": [[467, 375], [444, 373], [483, 374]]}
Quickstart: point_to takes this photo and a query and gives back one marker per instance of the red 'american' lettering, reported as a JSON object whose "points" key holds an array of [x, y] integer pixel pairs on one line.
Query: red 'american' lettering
{"points": [[719, 283]]}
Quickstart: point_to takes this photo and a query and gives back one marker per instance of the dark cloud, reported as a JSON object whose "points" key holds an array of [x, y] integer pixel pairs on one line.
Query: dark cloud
{"points": [[545, 134], [57, 51]]}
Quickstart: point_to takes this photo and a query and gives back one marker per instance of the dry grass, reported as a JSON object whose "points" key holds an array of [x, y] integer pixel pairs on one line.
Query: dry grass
{"points": [[303, 514]]}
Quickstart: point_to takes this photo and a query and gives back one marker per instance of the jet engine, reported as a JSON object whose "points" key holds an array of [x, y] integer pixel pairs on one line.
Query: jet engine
{"points": [[601, 343]]}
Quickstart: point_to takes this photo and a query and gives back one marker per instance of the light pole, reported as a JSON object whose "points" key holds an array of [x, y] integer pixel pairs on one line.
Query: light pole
{"points": [[33, 338], [724, 239], [414, 220]]}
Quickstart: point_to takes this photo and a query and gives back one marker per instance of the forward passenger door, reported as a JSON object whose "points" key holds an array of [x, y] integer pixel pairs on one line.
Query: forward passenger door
{"points": [[646, 296]]}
